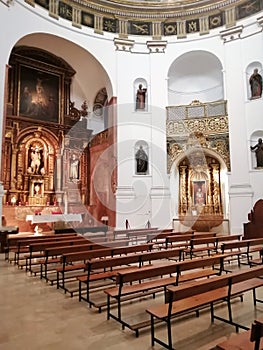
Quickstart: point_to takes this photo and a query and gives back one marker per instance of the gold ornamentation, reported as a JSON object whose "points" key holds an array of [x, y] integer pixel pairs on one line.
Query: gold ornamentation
{"points": [[192, 26], [211, 125], [141, 29], [170, 29], [215, 21], [109, 25]]}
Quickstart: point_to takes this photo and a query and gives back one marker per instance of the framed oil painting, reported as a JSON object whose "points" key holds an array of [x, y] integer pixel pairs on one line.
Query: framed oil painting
{"points": [[199, 192], [39, 95]]}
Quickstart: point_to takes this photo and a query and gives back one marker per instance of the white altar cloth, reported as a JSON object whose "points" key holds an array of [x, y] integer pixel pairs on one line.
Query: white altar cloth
{"points": [[38, 219]]}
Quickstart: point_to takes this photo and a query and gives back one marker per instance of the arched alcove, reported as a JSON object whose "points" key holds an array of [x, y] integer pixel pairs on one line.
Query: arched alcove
{"points": [[80, 83], [200, 171], [201, 81], [251, 69]]}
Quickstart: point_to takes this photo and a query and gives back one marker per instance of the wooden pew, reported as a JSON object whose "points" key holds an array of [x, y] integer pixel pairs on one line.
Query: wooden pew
{"points": [[110, 266], [228, 238], [123, 233], [160, 238], [184, 239], [243, 248], [22, 245], [52, 257], [149, 281], [12, 242], [58, 251], [197, 294], [208, 245], [248, 340], [201, 246], [141, 236], [77, 261], [36, 250], [257, 261], [139, 259]]}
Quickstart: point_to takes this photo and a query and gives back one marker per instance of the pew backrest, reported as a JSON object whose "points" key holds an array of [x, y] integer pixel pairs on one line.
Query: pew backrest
{"points": [[202, 286]]}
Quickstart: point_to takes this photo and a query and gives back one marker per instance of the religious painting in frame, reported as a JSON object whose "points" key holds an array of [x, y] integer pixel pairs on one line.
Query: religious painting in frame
{"points": [[199, 192], [39, 94]]}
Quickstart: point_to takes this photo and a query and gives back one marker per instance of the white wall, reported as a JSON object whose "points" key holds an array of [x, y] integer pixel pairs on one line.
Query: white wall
{"points": [[99, 64]]}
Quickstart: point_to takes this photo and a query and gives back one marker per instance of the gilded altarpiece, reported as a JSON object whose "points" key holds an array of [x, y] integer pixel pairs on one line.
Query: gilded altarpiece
{"points": [[198, 143], [46, 159]]}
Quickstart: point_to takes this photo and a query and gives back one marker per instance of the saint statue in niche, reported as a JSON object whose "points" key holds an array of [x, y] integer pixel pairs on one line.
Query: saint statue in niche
{"points": [[74, 168], [141, 97], [36, 161], [141, 161], [259, 152], [255, 82]]}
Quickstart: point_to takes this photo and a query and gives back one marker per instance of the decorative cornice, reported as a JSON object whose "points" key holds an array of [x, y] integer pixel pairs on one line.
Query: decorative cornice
{"points": [[156, 46], [231, 34], [123, 44]]}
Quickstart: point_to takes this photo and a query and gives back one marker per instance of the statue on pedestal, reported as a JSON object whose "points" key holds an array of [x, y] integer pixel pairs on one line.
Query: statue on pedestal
{"points": [[36, 166], [74, 168], [255, 82], [141, 161], [259, 152]]}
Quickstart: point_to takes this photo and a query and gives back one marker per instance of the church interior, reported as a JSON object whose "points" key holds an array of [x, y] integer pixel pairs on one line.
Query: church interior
{"points": [[172, 143]]}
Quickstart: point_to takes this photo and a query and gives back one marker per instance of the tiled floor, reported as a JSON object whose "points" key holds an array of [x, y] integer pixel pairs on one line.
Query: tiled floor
{"points": [[37, 316]]}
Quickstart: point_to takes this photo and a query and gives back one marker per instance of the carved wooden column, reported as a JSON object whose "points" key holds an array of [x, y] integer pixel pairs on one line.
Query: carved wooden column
{"points": [[210, 192], [216, 192], [183, 184], [13, 167]]}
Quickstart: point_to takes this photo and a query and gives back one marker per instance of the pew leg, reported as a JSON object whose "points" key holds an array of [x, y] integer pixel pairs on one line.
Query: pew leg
{"points": [[108, 307], [254, 297], [79, 290], [152, 330], [212, 312], [45, 272], [229, 309], [119, 312], [238, 260], [57, 280], [169, 333]]}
